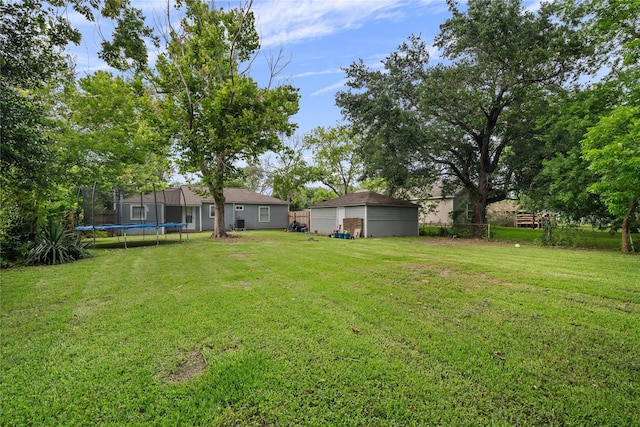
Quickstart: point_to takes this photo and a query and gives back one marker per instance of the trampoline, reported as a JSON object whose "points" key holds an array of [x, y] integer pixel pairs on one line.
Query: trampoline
{"points": [[124, 228], [121, 229]]}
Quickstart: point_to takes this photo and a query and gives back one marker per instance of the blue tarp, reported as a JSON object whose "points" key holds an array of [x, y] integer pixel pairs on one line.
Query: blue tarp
{"points": [[106, 227]]}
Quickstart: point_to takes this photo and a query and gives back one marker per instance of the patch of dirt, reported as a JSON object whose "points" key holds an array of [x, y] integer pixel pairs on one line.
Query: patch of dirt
{"points": [[445, 273], [189, 367], [435, 270], [450, 241], [239, 255]]}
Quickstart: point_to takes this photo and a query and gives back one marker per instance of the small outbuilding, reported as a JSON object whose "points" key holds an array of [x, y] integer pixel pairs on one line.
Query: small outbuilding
{"points": [[372, 213]]}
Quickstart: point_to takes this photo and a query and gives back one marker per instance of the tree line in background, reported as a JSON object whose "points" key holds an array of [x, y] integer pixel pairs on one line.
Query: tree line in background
{"points": [[514, 109]]}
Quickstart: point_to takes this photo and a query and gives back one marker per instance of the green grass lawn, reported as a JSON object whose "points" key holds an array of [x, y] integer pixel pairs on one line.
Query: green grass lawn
{"points": [[578, 237], [581, 237], [270, 328]]}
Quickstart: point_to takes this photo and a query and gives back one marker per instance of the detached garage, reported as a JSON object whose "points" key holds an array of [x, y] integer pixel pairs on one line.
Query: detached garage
{"points": [[374, 214]]}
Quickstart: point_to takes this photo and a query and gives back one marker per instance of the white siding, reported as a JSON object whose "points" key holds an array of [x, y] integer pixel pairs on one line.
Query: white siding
{"points": [[438, 214]]}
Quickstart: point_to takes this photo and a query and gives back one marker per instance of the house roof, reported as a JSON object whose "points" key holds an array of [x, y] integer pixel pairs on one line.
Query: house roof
{"points": [[193, 196], [364, 198]]}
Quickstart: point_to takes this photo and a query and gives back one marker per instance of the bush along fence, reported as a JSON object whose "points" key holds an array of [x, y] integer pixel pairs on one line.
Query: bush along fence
{"points": [[457, 231]]}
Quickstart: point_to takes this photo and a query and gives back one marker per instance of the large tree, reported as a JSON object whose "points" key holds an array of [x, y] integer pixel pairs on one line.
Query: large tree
{"points": [[613, 149], [336, 162], [108, 130], [610, 26], [289, 173], [33, 66], [214, 110], [456, 119]]}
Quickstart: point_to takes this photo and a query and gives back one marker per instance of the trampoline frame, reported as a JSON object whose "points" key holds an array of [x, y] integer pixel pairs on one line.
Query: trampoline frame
{"points": [[124, 227]]}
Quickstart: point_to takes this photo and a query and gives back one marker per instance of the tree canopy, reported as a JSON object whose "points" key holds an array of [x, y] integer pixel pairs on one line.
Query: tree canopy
{"points": [[610, 27], [613, 149], [455, 120], [217, 114], [335, 161], [33, 69]]}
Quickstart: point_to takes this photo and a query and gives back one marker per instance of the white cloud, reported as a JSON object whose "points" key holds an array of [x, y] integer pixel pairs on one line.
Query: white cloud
{"points": [[76, 19], [317, 73], [534, 7], [330, 88], [285, 22]]}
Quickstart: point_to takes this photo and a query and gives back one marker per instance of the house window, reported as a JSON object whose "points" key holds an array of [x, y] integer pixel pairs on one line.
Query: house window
{"points": [[212, 211], [138, 212], [264, 214], [239, 207]]}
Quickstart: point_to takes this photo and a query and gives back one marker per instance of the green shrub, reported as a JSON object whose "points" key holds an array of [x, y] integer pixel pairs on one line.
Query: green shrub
{"points": [[433, 231], [12, 248], [554, 235], [55, 245]]}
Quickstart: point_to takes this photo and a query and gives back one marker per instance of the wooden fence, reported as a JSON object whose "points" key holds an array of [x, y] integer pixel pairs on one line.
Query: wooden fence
{"points": [[303, 217], [105, 217]]}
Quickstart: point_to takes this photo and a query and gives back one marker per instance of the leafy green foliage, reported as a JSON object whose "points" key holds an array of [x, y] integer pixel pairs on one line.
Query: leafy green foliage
{"points": [[542, 164], [109, 128], [29, 62], [33, 69], [613, 149], [290, 172], [215, 112], [336, 162], [455, 121], [317, 195], [127, 48], [612, 27], [55, 245]]}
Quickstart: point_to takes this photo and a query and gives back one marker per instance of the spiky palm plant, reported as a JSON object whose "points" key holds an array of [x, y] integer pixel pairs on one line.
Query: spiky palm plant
{"points": [[55, 245]]}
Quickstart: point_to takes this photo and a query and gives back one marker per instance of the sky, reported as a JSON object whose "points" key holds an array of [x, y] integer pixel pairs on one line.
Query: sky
{"points": [[317, 37]]}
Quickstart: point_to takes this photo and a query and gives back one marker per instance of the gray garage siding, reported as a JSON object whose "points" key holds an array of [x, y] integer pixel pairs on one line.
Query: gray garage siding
{"points": [[323, 220], [391, 221], [354, 212]]}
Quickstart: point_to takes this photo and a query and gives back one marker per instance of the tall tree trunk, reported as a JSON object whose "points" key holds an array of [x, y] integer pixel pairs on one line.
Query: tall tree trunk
{"points": [[481, 194], [625, 235], [479, 200], [216, 188], [626, 232], [219, 229], [479, 207]]}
